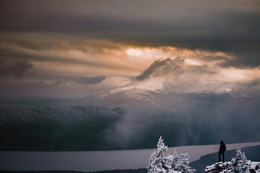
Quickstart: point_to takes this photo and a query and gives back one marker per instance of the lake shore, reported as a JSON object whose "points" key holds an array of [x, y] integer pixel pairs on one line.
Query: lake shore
{"points": [[96, 160], [252, 153]]}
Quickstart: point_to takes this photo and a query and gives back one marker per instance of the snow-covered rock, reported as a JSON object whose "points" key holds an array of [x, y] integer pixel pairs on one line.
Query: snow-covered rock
{"points": [[238, 164], [226, 167], [218, 167], [255, 167]]}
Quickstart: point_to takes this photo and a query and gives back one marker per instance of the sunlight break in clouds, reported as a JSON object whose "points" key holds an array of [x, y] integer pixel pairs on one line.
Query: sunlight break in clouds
{"points": [[147, 54], [192, 62]]}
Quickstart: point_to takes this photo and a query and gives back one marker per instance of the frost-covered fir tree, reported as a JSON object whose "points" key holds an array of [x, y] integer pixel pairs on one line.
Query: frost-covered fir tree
{"points": [[160, 163], [239, 163], [172, 161], [181, 163], [184, 164], [157, 159]]}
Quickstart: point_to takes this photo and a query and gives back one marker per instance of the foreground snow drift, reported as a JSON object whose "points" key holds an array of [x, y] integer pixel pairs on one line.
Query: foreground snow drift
{"points": [[226, 167], [238, 164]]}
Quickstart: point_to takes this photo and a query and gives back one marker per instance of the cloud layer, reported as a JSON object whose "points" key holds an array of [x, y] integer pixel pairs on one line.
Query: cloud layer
{"points": [[219, 25], [74, 49]]}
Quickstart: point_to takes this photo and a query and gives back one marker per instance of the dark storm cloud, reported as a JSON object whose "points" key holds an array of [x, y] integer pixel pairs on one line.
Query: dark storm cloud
{"points": [[246, 56], [51, 86], [228, 26], [14, 67], [89, 80]]}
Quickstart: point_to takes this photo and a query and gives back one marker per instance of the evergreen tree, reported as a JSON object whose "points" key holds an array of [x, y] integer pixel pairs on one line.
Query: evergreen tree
{"points": [[157, 159], [160, 163], [239, 163], [181, 163]]}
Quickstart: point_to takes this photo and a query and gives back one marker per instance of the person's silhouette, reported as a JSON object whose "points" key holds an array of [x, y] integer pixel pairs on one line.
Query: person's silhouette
{"points": [[221, 151]]}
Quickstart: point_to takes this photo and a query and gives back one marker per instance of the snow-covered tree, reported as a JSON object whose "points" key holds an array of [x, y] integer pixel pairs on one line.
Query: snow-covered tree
{"points": [[156, 161], [160, 163], [181, 163], [239, 163]]}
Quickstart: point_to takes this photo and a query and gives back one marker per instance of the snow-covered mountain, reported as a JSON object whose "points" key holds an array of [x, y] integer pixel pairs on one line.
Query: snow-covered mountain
{"points": [[135, 114], [162, 67]]}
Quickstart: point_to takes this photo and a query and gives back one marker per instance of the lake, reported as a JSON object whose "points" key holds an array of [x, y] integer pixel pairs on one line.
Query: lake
{"points": [[97, 160]]}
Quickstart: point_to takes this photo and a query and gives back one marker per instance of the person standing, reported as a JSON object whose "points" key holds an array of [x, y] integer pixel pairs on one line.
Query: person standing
{"points": [[221, 151]]}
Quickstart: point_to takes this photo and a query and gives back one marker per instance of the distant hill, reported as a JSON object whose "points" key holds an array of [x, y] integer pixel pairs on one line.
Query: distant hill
{"points": [[55, 128]]}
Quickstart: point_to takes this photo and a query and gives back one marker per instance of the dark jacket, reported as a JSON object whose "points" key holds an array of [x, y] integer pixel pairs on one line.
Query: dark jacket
{"points": [[222, 148]]}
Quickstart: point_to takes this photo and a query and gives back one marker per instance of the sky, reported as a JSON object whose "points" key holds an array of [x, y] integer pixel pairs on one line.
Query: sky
{"points": [[74, 48]]}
